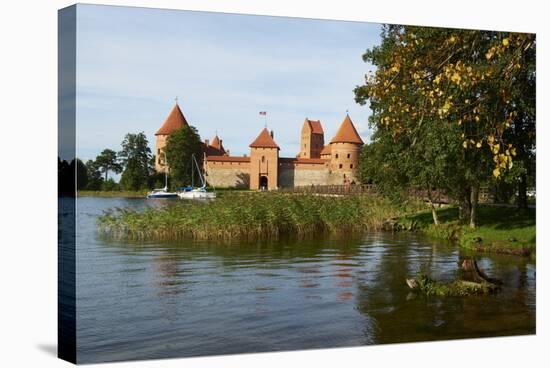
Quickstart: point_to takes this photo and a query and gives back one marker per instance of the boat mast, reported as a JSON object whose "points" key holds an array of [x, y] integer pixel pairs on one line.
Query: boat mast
{"points": [[198, 170]]}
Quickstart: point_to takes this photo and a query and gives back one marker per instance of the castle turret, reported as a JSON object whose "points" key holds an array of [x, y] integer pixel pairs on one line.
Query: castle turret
{"points": [[264, 162], [174, 121], [312, 139], [344, 150]]}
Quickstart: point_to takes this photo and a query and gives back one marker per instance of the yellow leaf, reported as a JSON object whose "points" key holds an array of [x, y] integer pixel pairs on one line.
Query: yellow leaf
{"points": [[505, 42], [478, 145], [465, 144], [496, 172]]}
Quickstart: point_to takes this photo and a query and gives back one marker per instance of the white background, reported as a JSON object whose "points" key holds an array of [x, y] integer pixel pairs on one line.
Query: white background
{"points": [[28, 205]]}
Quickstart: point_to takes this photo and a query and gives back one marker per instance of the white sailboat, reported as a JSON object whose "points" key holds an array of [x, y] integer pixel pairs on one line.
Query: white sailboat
{"points": [[200, 192], [162, 192]]}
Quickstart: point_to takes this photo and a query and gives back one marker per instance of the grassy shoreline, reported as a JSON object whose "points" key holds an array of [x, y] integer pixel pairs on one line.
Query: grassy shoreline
{"points": [[245, 215], [504, 230], [250, 215]]}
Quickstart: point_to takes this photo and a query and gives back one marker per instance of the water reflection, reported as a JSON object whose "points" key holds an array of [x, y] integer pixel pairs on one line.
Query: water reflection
{"points": [[145, 300]]}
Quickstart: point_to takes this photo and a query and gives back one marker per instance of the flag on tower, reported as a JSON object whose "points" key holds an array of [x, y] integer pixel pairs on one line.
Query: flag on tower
{"points": [[263, 113]]}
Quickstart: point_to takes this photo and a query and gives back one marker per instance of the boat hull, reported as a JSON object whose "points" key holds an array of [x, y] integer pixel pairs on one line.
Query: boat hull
{"points": [[162, 196], [197, 195]]}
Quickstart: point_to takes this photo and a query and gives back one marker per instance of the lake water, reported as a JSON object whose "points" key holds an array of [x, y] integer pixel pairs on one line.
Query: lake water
{"points": [[163, 300]]}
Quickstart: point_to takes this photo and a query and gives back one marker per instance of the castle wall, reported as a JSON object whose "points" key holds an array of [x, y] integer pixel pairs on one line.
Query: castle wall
{"points": [[302, 174], [228, 174], [337, 177]]}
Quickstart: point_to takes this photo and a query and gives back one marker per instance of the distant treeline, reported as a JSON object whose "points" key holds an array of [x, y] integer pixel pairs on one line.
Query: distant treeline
{"points": [[135, 161]]}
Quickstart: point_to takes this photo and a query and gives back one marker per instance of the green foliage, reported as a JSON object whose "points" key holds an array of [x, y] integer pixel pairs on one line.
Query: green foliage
{"points": [[107, 161], [381, 163], [446, 108], [181, 146], [95, 179], [81, 175], [496, 228], [248, 215], [456, 288], [110, 185], [156, 180], [135, 157]]}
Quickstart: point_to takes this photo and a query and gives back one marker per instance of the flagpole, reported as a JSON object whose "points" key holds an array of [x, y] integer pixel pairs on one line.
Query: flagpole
{"points": [[264, 113]]}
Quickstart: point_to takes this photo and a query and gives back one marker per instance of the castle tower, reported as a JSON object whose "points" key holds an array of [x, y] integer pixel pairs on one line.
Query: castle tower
{"points": [[264, 162], [312, 139], [174, 121], [345, 148]]}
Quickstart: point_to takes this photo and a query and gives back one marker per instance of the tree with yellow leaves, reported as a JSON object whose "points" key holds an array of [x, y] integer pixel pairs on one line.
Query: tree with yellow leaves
{"points": [[477, 86]]}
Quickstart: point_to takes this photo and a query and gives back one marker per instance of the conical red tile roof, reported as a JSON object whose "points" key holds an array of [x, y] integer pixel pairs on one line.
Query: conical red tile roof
{"points": [[175, 120], [347, 133], [264, 140]]}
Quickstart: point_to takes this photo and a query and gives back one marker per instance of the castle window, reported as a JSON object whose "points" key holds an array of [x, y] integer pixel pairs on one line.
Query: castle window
{"points": [[158, 151], [349, 155], [336, 156], [351, 166], [263, 158], [340, 166]]}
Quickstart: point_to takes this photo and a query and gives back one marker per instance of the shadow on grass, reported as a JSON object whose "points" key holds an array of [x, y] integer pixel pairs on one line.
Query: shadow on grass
{"points": [[445, 215], [499, 218]]}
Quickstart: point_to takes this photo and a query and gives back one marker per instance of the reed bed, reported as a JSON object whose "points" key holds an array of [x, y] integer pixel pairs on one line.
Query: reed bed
{"points": [[248, 216]]}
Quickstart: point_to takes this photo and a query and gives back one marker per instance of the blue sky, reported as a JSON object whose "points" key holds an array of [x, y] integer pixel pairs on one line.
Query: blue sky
{"points": [[224, 68]]}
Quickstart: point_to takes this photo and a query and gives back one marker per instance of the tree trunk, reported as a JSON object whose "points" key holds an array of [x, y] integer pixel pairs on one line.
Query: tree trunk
{"points": [[432, 207], [464, 206], [471, 271], [522, 192], [474, 197]]}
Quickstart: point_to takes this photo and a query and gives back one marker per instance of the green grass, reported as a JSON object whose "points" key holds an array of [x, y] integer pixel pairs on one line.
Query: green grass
{"points": [[501, 229], [111, 194], [252, 215]]}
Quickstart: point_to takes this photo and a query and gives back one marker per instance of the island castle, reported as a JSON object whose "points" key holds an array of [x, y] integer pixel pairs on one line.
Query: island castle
{"points": [[316, 164]]}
